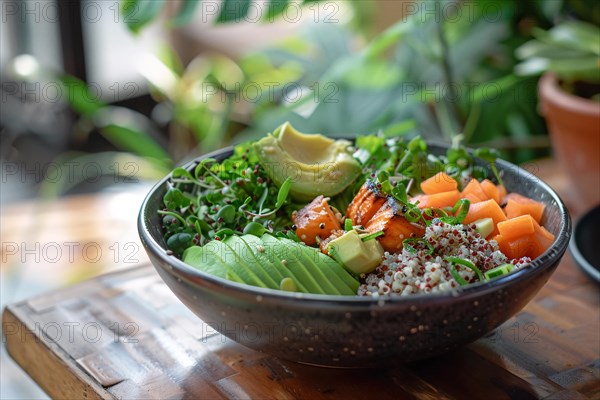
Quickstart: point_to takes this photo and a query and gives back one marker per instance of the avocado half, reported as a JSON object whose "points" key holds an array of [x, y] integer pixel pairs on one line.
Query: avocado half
{"points": [[317, 164]]}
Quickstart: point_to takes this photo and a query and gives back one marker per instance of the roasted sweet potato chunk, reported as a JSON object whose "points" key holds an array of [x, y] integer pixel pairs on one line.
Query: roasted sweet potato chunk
{"points": [[315, 219], [364, 205], [395, 227]]}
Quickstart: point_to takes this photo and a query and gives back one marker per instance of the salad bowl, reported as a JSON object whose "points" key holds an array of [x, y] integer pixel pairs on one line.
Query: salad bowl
{"points": [[355, 331]]}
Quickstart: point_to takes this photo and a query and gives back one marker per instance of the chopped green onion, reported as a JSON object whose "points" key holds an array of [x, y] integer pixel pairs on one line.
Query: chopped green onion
{"points": [[499, 271], [464, 263], [413, 215], [408, 245], [348, 224], [372, 236], [462, 207], [457, 276]]}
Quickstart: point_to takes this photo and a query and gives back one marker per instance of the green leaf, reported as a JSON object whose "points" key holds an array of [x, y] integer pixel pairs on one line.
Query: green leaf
{"points": [[227, 212], [283, 192], [223, 233], [254, 228], [185, 13], [182, 172], [536, 48], [275, 8], [532, 66], [400, 128], [233, 10], [129, 139], [138, 13], [399, 193], [174, 199], [578, 35], [179, 242], [587, 68], [487, 90], [388, 38], [373, 74], [81, 99]]}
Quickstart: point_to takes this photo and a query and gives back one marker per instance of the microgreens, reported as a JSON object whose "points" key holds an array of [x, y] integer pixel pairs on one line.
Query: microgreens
{"points": [[217, 199]]}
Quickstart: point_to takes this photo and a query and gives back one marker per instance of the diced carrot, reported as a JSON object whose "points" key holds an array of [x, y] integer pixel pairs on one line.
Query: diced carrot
{"points": [[517, 227], [438, 183], [472, 198], [474, 187], [501, 191], [315, 219], [502, 244], [525, 246], [544, 237], [530, 245], [438, 200], [485, 209], [364, 205], [490, 190], [517, 205], [395, 228]]}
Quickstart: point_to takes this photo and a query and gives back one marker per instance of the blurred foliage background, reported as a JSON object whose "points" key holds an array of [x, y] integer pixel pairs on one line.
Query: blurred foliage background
{"points": [[436, 68]]}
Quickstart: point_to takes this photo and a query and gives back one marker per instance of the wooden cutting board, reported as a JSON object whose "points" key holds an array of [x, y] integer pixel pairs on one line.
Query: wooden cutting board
{"points": [[125, 335]]}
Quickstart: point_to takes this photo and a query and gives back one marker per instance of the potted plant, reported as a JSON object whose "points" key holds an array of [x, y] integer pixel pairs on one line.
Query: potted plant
{"points": [[568, 55]]}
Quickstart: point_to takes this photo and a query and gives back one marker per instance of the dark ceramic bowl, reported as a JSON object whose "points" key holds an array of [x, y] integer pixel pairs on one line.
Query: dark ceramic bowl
{"points": [[347, 331]]}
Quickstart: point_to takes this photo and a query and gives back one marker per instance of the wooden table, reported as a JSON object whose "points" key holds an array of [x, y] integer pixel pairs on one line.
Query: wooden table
{"points": [[125, 335]]}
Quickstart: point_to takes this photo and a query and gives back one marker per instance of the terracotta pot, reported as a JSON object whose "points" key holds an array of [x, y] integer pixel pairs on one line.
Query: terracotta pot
{"points": [[574, 125]]}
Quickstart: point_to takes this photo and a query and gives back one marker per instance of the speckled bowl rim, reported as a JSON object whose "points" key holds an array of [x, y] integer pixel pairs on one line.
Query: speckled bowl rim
{"points": [[184, 271]]}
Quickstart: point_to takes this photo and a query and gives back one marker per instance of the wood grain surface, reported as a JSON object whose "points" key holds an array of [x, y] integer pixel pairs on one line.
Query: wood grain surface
{"points": [[125, 335]]}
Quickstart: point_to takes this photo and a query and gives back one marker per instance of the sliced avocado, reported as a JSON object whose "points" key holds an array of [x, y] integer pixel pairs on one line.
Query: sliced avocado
{"points": [[276, 263], [358, 256], [236, 263], [484, 226], [341, 272], [245, 249], [245, 256], [265, 256], [286, 256], [206, 260], [305, 255], [317, 165], [314, 256]]}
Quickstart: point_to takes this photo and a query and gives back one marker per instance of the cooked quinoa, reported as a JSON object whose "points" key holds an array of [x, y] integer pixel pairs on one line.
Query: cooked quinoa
{"points": [[421, 268]]}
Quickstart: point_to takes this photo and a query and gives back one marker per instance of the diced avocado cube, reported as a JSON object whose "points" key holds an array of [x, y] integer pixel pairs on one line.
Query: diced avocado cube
{"points": [[484, 226], [358, 256]]}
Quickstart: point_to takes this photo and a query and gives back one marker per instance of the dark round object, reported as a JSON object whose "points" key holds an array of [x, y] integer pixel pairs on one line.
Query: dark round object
{"points": [[347, 331], [584, 243]]}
